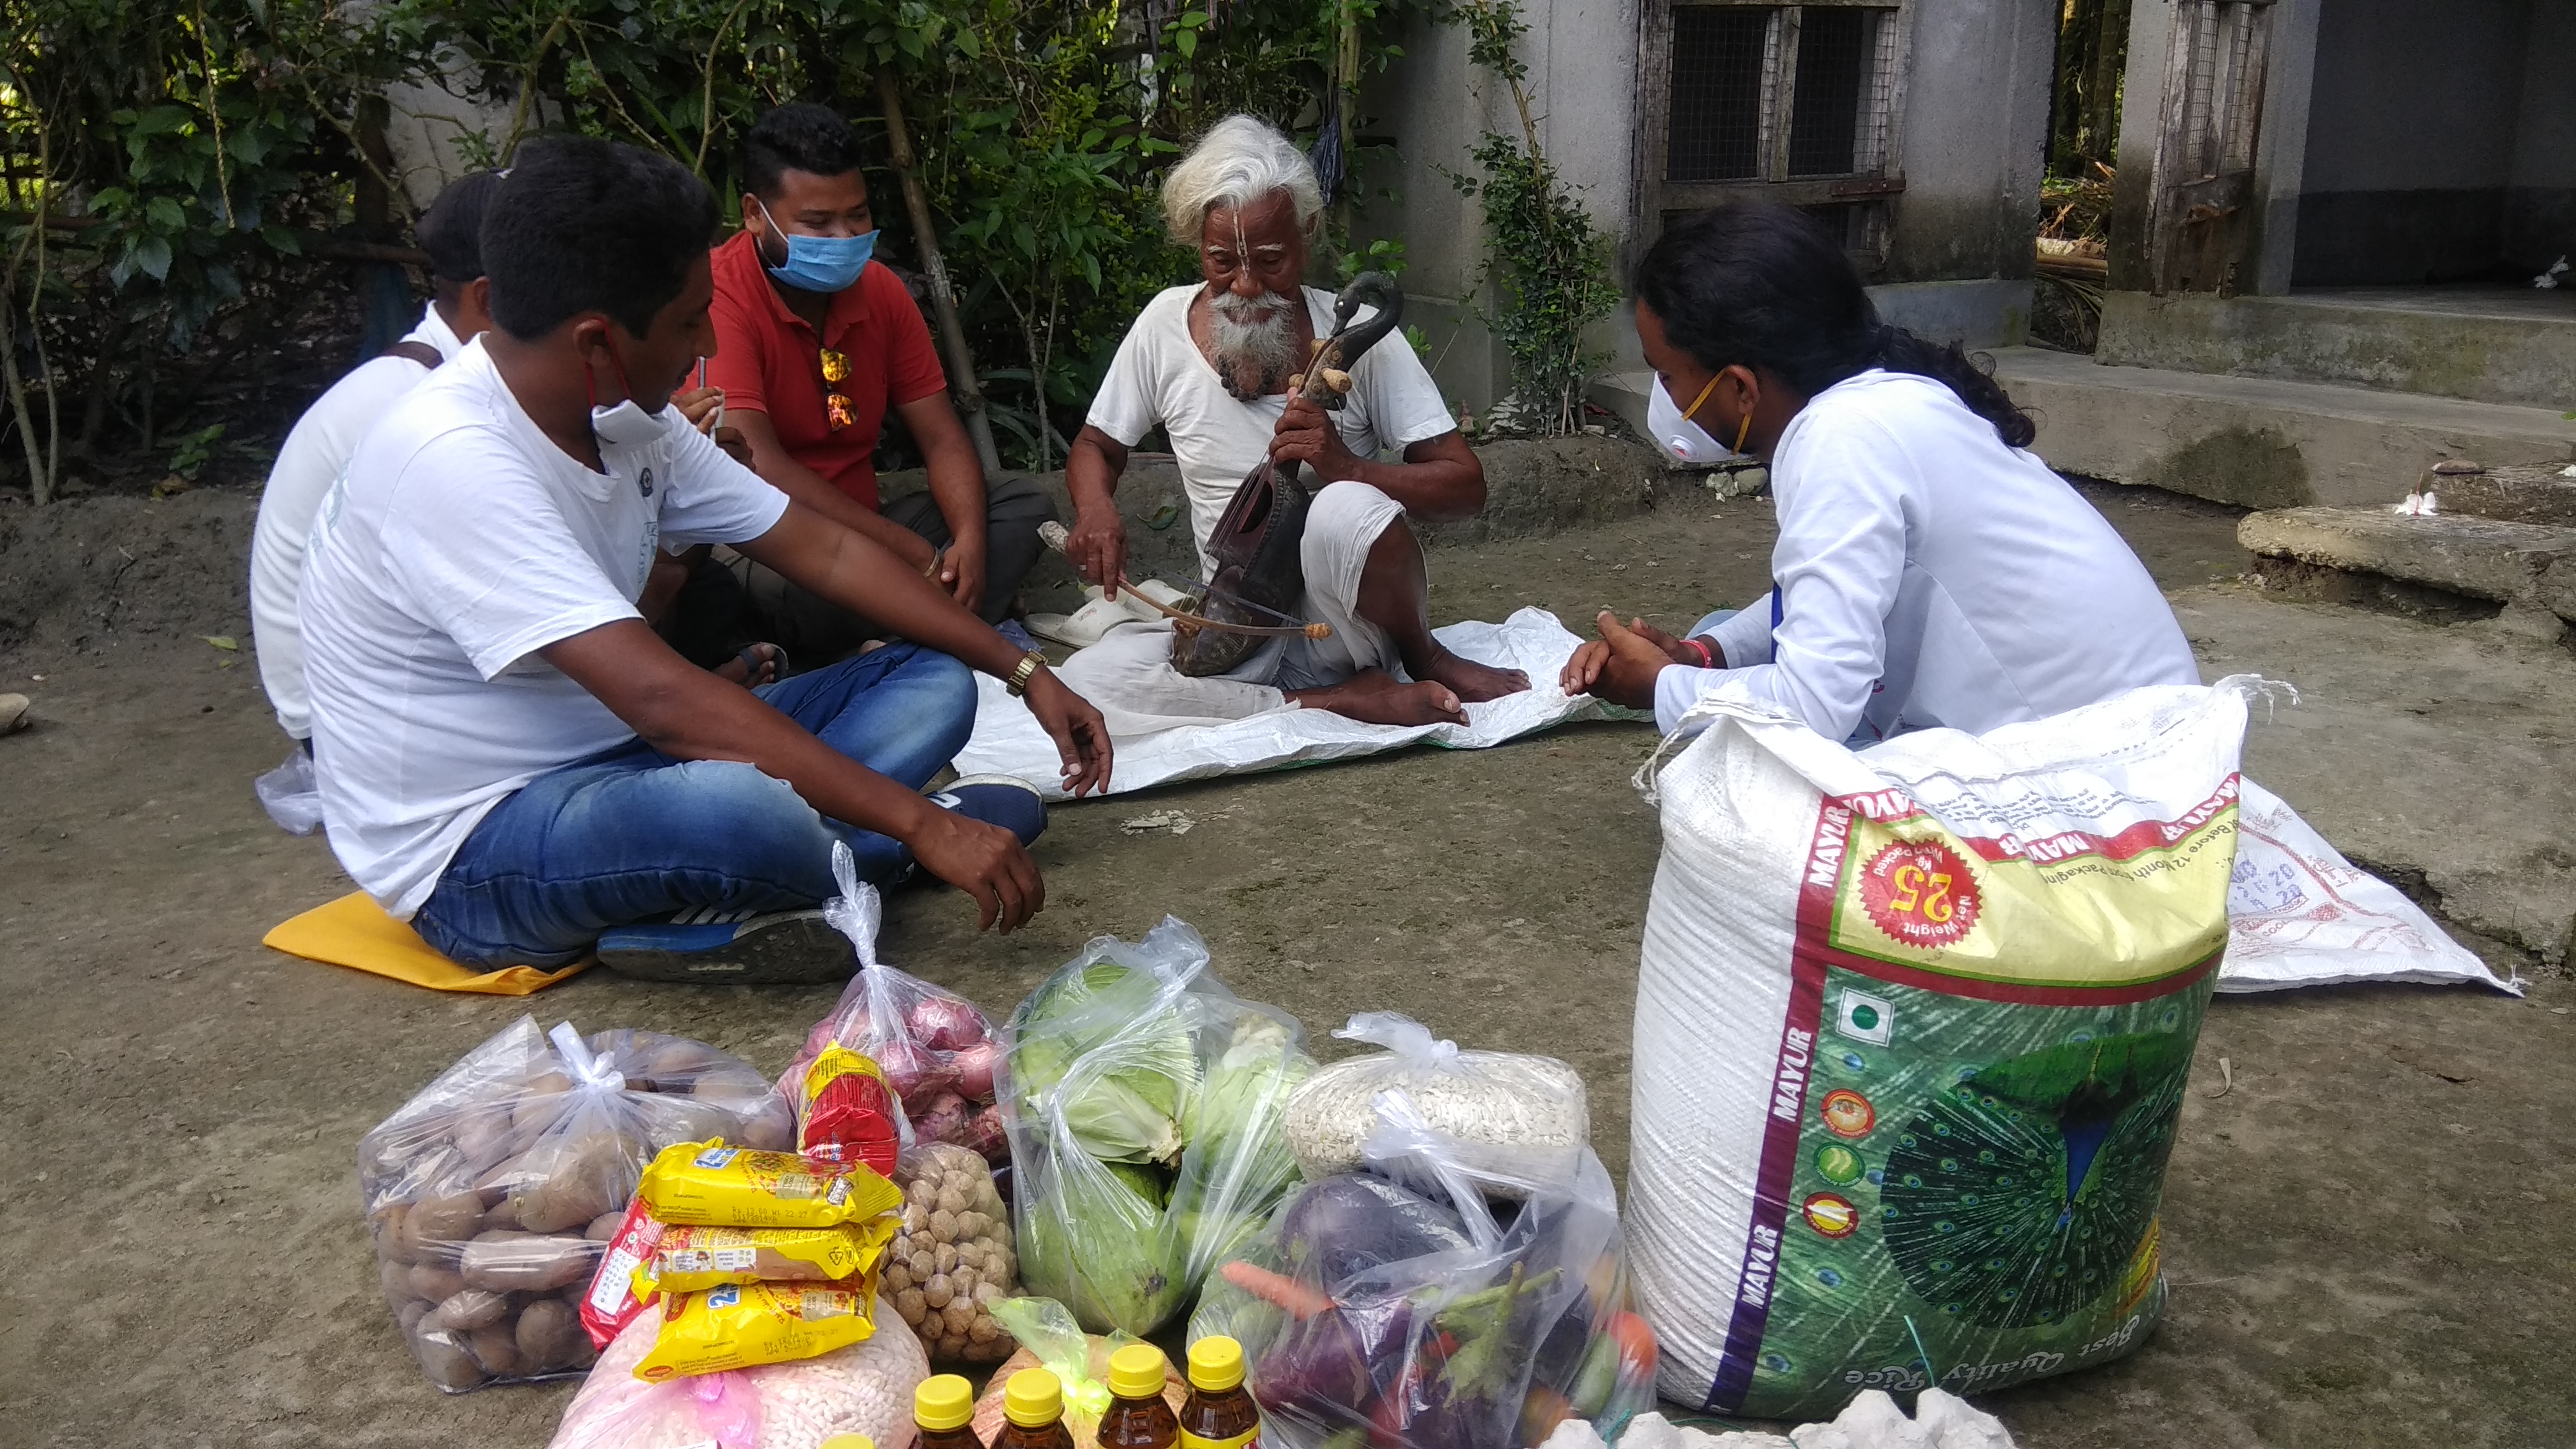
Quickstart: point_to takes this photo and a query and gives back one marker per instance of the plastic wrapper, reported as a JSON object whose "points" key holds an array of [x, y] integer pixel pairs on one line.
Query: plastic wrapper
{"points": [[1393, 1304], [863, 1389], [1530, 1111], [1144, 1104], [692, 1259], [717, 1183], [1051, 1340], [952, 1257], [744, 1325], [492, 1192], [936, 1049], [845, 1112]]}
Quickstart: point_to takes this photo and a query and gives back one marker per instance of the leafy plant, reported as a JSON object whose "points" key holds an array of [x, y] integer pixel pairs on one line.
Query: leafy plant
{"points": [[187, 179], [191, 453], [1551, 262]]}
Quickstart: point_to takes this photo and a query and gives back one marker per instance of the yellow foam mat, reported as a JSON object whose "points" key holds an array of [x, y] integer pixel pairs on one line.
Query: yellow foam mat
{"points": [[355, 932]]}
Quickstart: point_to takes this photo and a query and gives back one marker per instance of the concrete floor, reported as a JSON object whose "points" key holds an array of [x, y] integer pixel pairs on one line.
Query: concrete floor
{"points": [[2369, 1235]]}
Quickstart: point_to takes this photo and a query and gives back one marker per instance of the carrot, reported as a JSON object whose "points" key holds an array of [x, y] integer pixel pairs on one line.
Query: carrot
{"points": [[1278, 1289], [1638, 1352]]}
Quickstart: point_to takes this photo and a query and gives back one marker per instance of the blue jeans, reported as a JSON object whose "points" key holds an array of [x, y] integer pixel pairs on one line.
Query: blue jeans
{"points": [[632, 834]]}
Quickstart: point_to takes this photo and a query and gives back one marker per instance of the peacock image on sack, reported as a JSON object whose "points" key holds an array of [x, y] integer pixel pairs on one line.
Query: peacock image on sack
{"points": [[2004, 1205], [1904, 1103]]}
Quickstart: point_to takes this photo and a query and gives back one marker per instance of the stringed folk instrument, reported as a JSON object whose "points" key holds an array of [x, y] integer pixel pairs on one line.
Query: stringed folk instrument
{"points": [[1258, 544]]}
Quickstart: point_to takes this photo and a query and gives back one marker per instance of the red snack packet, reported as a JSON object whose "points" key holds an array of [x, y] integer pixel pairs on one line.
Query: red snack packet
{"points": [[611, 1302], [847, 1113]]}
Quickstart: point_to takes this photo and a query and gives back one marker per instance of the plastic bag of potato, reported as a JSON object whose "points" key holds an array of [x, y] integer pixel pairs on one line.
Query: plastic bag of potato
{"points": [[490, 1192], [952, 1258]]}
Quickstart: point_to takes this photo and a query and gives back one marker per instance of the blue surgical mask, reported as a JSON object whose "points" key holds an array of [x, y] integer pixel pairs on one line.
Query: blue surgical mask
{"points": [[818, 263]]}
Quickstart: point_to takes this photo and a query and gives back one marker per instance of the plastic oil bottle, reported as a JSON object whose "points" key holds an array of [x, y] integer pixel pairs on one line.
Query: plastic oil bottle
{"points": [[1138, 1416], [1220, 1412], [1033, 1413], [944, 1409]]}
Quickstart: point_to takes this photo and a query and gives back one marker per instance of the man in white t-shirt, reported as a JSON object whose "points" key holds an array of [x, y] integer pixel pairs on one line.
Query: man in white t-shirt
{"points": [[509, 757], [320, 444], [1209, 363]]}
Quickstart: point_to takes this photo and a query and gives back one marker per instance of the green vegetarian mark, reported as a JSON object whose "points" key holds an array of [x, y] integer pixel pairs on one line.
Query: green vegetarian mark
{"points": [[2019, 1195]]}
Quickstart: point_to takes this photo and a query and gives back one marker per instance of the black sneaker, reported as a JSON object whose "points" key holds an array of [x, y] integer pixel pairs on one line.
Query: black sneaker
{"points": [[777, 948]]}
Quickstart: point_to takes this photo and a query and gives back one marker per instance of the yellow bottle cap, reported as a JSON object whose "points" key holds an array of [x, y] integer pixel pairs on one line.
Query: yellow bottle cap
{"points": [[943, 1402], [1033, 1399], [1136, 1371], [1216, 1364], [848, 1441]]}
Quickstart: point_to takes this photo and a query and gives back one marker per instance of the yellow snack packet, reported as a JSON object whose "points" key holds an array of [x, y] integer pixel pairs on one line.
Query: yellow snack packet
{"points": [[739, 1325], [690, 1259], [710, 1183]]}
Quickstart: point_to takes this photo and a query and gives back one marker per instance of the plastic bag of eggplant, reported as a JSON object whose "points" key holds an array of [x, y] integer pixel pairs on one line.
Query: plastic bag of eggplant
{"points": [[1432, 1304]]}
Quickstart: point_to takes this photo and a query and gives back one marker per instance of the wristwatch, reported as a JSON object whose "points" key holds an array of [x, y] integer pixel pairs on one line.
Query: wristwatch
{"points": [[1030, 664]]}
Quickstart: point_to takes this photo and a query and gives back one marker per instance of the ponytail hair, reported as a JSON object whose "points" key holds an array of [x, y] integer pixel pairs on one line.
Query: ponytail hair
{"points": [[1761, 285]]}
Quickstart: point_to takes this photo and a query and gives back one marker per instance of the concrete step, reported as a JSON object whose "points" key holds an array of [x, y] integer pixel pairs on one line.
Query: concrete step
{"points": [[2529, 568], [2497, 345], [2263, 442]]}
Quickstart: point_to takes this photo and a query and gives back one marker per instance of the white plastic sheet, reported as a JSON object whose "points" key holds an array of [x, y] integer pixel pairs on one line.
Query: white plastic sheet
{"points": [[1008, 742], [2299, 914]]}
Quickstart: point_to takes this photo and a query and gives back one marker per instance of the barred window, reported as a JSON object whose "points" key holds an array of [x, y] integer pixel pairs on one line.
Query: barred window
{"points": [[1798, 102]]}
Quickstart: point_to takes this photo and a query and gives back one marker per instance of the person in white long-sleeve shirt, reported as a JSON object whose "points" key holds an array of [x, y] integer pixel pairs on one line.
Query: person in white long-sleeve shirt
{"points": [[1930, 571], [322, 441]]}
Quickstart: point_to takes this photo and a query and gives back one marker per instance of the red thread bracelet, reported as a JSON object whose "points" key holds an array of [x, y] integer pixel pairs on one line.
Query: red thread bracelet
{"points": [[1706, 659]]}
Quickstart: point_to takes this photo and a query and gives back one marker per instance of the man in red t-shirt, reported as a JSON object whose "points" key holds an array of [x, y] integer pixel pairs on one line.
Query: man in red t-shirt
{"points": [[815, 342]]}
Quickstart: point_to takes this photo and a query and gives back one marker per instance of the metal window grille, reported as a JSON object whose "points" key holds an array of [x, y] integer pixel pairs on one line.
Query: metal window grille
{"points": [[2223, 95], [1720, 61], [1761, 92], [1796, 102]]}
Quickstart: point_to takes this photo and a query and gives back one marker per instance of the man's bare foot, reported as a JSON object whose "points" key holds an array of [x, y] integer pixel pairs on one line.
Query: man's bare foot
{"points": [[756, 665], [1374, 696], [1476, 683]]}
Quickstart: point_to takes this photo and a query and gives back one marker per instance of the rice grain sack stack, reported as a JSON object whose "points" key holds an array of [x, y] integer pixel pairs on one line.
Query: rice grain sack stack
{"points": [[1912, 1032]]}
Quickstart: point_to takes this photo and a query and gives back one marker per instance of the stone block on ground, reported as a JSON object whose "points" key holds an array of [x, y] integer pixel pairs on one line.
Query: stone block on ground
{"points": [[2527, 564], [2540, 494]]}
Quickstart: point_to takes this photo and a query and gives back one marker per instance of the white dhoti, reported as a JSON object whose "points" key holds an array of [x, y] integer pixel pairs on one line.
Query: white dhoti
{"points": [[1129, 676]]}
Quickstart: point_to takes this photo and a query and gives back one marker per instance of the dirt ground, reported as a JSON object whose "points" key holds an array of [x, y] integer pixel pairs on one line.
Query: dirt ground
{"points": [[2370, 1232]]}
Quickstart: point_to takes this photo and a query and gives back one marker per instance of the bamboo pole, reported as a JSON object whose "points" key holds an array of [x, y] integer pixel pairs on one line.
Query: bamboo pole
{"points": [[943, 298]]}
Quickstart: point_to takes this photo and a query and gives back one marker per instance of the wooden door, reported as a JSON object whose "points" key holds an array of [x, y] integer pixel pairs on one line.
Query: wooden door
{"points": [[2203, 221]]}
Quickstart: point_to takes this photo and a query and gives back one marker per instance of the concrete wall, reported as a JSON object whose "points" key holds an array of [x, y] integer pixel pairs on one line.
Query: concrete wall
{"points": [[2540, 206], [1582, 59], [2413, 117], [1974, 141]]}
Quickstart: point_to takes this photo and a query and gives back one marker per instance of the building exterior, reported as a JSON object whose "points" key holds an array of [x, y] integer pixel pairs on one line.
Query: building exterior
{"points": [[2329, 218], [1917, 127]]}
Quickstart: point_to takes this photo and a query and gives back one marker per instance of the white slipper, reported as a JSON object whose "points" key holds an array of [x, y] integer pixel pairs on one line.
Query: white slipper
{"points": [[13, 713], [1092, 622]]}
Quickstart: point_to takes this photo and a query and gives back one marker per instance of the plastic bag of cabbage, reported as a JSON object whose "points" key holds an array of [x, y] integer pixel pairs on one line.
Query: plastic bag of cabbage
{"points": [[1144, 1104]]}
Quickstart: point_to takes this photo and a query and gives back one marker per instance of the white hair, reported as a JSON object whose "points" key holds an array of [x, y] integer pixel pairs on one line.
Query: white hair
{"points": [[1239, 161]]}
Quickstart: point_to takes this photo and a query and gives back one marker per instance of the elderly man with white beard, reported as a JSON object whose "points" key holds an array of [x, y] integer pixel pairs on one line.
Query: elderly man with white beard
{"points": [[1209, 363]]}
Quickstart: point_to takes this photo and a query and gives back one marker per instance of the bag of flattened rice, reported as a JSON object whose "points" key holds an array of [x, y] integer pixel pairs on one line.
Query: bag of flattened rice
{"points": [[1513, 1116], [865, 1388], [1912, 1032]]}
